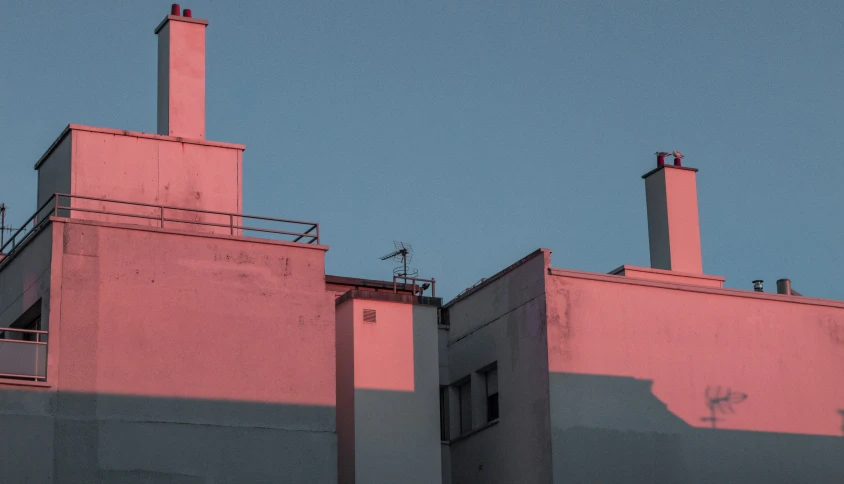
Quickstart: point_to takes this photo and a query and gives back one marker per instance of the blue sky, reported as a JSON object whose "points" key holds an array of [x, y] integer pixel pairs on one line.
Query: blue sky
{"points": [[477, 131]]}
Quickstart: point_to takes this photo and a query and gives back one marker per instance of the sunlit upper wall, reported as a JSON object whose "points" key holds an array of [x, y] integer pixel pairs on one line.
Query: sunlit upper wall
{"points": [[785, 353], [142, 168]]}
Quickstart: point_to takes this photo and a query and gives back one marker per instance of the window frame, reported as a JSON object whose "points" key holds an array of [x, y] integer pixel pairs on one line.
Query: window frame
{"points": [[464, 421], [492, 400]]}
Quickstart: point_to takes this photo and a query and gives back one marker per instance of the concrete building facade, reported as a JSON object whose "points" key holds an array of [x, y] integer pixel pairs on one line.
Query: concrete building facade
{"points": [[152, 332], [643, 374]]}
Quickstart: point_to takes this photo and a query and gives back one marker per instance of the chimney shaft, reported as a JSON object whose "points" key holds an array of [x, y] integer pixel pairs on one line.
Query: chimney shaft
{"points": [[784, 286], [181, 76], [673, 225]]}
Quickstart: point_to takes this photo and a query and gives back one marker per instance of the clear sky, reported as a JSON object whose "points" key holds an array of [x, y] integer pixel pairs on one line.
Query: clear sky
{"points": [[478, 131]]}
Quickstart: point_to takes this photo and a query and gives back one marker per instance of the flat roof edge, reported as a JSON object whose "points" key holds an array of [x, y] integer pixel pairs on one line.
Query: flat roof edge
{"points": [[498, 275], [594, 276], [627, 267], [389, 297], [136, 134]]}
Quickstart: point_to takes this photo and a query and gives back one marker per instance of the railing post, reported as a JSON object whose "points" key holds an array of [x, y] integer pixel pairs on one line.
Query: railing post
{"points": [[161, 215], [231, 224], [56, 205], [36, 357]]}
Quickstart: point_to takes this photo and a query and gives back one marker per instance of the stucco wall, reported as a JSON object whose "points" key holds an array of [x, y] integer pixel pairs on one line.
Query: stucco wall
{"points": [[145, 169], [503, 322], [26, 413], [189, 359], [27, 426], [630, 368], [396, 391], [512, 288]]}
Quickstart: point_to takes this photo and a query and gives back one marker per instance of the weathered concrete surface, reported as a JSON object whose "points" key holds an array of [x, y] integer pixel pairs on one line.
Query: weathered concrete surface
{"points": [[184, 358], [143, 168], [614, 430], [503, 322], [138, 439], [395, 385], [631, 362], [226, 319], [181, 77], [673, 223]]}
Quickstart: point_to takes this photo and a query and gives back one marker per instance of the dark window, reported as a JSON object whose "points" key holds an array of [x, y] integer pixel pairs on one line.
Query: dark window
{"points": [[443, 412], [492, 395], [465, 395], [29, 320], [34, 325]]}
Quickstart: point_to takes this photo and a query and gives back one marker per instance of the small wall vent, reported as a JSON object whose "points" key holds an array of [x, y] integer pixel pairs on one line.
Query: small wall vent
{"points": [[368, 315]]}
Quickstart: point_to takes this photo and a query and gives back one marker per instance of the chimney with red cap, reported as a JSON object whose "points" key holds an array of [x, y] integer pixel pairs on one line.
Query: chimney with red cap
{"points": [[181, 75], [673, 224]]}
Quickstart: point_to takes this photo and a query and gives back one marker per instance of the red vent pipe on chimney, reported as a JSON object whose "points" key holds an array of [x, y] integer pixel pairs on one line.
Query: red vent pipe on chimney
{"points": [[175, 9], [188, 13]]}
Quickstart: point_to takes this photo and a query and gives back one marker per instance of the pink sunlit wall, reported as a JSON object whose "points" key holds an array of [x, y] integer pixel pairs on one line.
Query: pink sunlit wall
{"points": [[673, 223], [181, 77], [143, 168], [168, 315], [785, 356], [383, 351]]}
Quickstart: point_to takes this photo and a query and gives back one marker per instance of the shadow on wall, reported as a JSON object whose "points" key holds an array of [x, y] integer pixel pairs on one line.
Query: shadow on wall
{"points": [[842, 421], [614, 430], [50, 437]]}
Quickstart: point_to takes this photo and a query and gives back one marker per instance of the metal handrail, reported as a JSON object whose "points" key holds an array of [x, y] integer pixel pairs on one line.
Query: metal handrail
{"points": [[37, 334], [309, 236], [185, 209], [414, 285], [19, 330], [35, 224]]}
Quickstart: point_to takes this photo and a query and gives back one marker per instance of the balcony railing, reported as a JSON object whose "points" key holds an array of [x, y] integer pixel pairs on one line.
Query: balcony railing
{"points": [[62, 205], [23, 354]]}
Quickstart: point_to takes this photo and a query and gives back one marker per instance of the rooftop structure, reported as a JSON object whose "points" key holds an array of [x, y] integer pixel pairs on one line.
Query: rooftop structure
{"points": [[152, 332]]}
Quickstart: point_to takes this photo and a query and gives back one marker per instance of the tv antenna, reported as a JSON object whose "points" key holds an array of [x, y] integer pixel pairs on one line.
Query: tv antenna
{"points": [[721, 403], [403, 254]]}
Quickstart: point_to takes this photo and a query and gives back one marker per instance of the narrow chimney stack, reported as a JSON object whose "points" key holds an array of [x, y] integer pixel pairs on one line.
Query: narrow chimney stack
{"points": [[181, 75], [673, 224]]}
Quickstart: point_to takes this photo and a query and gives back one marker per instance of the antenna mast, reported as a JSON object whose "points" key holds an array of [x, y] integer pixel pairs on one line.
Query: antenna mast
{"points": [[402, 254]]}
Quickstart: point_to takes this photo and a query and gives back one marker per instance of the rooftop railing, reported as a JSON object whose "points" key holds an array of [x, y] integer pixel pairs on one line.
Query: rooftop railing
{"points": [[162, 216], [418, 289], [23, 354]]}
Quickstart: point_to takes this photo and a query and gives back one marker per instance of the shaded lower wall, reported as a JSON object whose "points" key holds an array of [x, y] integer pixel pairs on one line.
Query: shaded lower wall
{"points": [[51, 437], [640, 369], [611, 429], [388, 389], [178, 358]]}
